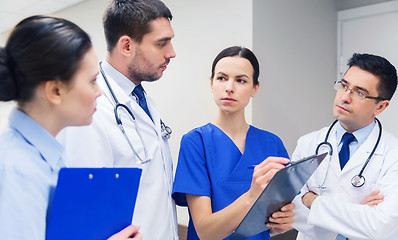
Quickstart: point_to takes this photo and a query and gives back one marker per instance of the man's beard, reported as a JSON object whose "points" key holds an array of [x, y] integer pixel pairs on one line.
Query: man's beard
{"points": [[140, 76]]}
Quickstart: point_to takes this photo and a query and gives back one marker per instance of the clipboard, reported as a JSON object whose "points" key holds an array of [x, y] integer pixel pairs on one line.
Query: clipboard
{"points": [[92, 203], [281, 190]]}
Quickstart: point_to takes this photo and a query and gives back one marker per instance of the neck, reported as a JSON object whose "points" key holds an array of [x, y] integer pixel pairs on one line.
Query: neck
{"points": [[120, 64], [43, 116], [232, 124]]}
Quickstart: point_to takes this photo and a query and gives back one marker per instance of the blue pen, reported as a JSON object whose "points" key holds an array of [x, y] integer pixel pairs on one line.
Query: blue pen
{"points": [[254, 165]]}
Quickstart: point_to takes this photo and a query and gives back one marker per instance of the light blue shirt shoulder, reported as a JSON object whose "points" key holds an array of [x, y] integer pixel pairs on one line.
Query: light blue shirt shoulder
{"points": [[30, 159]]}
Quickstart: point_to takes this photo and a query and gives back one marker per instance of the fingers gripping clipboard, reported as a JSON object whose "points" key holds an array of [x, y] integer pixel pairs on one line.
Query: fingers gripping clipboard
{"points": [[92, 203], [281, 190]]}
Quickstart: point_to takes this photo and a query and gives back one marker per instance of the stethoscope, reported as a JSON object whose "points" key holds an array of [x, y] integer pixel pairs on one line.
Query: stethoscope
{"points": [[165, 130], [358, 180]]}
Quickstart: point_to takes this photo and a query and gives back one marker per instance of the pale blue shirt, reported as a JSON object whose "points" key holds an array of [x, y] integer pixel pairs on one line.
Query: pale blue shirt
{"points": [[360, 135], [30, 159]]}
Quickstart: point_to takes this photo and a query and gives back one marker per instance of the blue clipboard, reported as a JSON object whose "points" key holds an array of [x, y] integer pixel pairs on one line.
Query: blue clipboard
{"points": [[281, 190], [92, 203]]}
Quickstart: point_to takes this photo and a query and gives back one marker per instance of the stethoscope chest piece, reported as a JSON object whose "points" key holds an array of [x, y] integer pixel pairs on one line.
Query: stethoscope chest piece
{"points": [[166, 130], [358, 181]]}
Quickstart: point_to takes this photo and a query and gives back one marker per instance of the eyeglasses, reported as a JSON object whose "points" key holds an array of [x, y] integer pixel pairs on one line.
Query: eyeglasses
{"points": [[355, 93]]}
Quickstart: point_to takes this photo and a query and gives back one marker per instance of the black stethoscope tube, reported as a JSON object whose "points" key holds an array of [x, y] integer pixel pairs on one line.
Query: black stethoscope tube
{"points": [[357, 180], [166, 131]]}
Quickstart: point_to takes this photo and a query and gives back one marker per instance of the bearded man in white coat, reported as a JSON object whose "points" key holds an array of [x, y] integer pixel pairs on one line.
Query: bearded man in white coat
{"points": [[331, 205], [138, 36]]}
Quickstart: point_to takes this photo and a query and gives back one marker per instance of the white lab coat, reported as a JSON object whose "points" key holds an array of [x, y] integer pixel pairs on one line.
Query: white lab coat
{"points": [[102, 144], [338, 208]]}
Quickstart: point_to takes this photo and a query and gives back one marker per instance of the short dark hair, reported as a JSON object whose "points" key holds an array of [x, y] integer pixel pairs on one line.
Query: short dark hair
{"points": [[131, 18], [381, 68], [243, 53], [40, 49]]}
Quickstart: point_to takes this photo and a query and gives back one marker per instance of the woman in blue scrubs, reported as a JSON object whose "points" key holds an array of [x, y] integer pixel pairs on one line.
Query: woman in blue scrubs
{"points": [[49, 68], [214, 177]]}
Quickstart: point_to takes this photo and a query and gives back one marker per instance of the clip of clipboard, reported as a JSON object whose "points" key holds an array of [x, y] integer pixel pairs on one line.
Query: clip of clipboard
{"points": [[92, 203], [281, 190]]}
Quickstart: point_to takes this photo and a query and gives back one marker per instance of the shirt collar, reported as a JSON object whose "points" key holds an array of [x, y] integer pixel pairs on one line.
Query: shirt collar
{"points": [[361, 134], [50, 149], [125, 84]]}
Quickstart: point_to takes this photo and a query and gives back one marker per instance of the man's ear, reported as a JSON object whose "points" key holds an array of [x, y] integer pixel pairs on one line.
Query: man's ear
{"points": [[53, 92], [381, 106], [125, 45]]}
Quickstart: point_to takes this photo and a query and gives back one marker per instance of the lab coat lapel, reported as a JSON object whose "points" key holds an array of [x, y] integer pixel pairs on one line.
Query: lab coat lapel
{"points": [[166, 155], [146, 128], [335, 162], [153, 127], [155, 115], [128, 125]]}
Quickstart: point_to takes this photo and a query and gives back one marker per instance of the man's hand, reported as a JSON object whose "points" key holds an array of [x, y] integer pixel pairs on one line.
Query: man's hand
{"points": [[282, 220], [373, 199], [308, 198]]}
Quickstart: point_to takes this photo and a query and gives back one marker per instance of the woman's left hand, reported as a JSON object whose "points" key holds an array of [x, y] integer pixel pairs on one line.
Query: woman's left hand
{"points": [[281, 221]]}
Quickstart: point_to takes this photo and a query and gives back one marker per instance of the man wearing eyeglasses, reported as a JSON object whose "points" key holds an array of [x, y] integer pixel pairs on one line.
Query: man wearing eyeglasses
{"points": [[354, 193]]}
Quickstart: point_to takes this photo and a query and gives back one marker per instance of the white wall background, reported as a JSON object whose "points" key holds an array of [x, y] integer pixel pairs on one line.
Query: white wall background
{"points": [[296, 45], [360, 31]]}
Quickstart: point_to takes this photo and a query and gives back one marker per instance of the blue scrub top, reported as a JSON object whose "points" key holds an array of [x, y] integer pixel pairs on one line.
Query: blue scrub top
{"points": [[210, 164]]}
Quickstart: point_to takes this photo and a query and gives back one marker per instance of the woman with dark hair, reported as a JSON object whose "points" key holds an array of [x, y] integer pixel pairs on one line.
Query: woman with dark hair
{"points": [[213, 176], [49, 68]]}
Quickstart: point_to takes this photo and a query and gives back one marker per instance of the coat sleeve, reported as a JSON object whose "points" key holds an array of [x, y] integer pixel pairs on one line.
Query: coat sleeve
{"points": [[361, 221], [306, 231]]}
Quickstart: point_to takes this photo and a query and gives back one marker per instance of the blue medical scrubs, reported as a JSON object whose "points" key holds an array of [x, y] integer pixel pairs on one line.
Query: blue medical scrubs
{"points": [[210, 164]]}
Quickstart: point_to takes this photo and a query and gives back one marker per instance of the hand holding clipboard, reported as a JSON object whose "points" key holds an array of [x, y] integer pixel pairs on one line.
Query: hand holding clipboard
{"points": [[281, 190]]}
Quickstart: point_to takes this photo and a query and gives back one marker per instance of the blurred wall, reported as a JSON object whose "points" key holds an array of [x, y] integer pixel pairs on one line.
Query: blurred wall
{"points": [[296, 44]]}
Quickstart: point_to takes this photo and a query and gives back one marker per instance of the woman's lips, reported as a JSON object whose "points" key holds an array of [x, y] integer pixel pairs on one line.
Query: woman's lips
{"points": [[228, 100]]}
